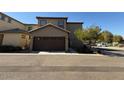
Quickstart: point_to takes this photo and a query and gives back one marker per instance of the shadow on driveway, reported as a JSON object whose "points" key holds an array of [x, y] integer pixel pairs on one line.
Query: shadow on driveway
{"points": [[111, 52]]}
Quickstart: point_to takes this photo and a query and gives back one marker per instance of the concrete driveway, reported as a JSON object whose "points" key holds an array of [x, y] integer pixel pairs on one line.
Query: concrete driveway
{"points": [[51, 66]]}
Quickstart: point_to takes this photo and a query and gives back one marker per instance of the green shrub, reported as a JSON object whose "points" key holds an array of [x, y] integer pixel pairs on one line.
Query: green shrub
{"points": [[8, 48], [84, 49]]}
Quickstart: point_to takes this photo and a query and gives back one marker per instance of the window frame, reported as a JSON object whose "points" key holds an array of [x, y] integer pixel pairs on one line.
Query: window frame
{"points": [[43, 20], [61, 24], [2, 17]]}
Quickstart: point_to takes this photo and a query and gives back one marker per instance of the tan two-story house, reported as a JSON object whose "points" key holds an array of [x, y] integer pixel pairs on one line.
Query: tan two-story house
{"points": [[12, 32], [49, 34]]}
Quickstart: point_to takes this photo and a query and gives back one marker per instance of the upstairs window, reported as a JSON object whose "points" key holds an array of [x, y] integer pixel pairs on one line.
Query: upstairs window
{"points": [[9, 20], [42, 22], [2, 17], [61, 24], [54, 22]]}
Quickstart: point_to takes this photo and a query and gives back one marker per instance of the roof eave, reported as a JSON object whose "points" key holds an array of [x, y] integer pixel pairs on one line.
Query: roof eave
{"points": [[51, 25], [38, 17], [75, 22]]}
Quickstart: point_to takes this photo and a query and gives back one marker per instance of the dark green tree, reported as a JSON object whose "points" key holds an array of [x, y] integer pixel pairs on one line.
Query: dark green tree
{"points": [[88, 35], [106, 36], [117, 38]]}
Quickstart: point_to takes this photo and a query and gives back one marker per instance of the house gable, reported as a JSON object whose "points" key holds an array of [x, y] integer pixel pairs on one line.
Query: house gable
{"points": [[50, 26], [49, 31]]}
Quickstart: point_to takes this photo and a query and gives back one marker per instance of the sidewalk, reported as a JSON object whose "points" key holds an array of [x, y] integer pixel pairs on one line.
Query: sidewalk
{"points": [[51, 53], [114, 48]]}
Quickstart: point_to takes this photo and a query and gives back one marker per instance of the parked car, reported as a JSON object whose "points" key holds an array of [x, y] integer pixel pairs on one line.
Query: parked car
{"points": [[115, 43], [102, 44]]}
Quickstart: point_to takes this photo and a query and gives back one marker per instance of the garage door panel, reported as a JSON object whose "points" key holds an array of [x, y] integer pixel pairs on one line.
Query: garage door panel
{"points": [[49, 43]]}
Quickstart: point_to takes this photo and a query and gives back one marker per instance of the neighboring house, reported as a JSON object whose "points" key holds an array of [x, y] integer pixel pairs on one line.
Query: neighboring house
{"points": [[7, 22], [50, 33], [15, 37], [12, 32]]}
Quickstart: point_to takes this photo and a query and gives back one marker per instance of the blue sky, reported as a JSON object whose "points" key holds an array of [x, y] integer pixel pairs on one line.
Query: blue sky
{"points": [[112, 21]]}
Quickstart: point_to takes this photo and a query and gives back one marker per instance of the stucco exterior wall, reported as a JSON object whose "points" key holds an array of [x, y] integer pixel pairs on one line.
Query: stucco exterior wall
{"points": [[11, 39], [5, 25], [74, 26], [15, 39], [24, 42], [73, 40], [49, 31]]}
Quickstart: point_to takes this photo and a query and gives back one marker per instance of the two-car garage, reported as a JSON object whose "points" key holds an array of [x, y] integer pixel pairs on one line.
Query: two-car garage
{"points": [[49, 38], [49, 44]]}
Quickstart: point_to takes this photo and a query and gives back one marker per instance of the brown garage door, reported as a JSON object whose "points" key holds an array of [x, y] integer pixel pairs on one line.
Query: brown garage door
{"points": [[49, 43]]}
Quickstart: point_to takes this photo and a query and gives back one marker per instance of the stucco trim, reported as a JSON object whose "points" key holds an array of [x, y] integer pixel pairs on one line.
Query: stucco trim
{"points": [[49, 25], [15, 30]]}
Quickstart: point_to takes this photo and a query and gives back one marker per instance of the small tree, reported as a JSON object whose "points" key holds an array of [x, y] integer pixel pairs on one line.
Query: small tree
{"points": [[117, 38], [88, 35], [79, 34], [93, 33], [106, 36]]}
